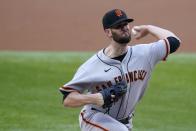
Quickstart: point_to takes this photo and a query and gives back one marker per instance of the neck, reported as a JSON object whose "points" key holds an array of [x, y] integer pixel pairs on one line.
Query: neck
{"points": [[115, 49]]}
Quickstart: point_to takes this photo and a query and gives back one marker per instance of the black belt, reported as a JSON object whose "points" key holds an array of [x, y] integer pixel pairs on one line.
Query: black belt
{"points": [[124, 121]]}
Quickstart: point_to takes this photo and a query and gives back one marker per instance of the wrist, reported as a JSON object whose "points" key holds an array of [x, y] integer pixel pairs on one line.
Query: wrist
{"points": [[96, 99], [99, 99]]}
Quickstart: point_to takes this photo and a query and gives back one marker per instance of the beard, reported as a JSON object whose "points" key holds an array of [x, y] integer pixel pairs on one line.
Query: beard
{"points": [[120, 38]]}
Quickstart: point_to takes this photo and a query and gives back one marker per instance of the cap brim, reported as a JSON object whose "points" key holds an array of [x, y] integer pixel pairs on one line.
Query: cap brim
{"points": [[122, 20]]}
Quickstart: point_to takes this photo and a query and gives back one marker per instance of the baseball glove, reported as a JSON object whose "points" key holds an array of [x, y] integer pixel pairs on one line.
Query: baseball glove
{"points": [[113, 93]]}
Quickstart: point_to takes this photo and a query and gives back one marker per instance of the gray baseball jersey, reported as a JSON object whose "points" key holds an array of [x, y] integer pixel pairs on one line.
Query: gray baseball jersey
{"points": [[100, 72]]}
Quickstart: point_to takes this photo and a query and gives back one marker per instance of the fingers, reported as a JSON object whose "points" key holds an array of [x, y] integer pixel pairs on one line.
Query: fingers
{"points": [[139, 31], [135, 33], [137, 28], [140, 27], [113, 96]]}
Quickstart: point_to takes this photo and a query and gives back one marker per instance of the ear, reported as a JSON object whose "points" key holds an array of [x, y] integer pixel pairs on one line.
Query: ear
{"points": [[108, 32]]}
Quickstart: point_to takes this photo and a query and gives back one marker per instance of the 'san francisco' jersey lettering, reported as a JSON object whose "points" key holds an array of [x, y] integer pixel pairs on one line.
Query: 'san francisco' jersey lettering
{"points": [[101, 72]]}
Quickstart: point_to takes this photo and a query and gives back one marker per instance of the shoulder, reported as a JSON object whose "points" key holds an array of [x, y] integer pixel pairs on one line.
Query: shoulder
{"points": [[145, 48], [140, 49]]}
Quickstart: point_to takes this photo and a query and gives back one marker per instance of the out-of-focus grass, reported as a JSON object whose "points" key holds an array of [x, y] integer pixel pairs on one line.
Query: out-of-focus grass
{"points": [[29, 97]]}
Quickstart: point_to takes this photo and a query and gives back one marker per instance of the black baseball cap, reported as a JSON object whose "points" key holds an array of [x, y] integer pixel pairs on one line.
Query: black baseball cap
{"points": [[114, 17]]}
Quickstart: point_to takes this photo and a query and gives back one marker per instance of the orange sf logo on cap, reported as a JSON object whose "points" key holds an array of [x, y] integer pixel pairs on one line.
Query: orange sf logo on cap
{"points": [[118, 12]]}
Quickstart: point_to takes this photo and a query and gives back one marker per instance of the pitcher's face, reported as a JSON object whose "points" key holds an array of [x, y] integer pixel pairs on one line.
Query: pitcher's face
{"points": [[121, 33]]}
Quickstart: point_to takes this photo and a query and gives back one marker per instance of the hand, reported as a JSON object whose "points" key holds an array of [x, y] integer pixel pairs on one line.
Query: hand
{"points": [[113, 94], [100, 100], [140, 31]]}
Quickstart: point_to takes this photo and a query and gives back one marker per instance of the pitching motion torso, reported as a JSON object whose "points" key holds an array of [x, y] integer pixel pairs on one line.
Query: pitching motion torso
{"points": [[101, 72]]}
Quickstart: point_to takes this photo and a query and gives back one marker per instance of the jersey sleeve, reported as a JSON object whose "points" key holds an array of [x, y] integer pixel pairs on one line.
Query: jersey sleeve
{"points": [[159, 50], [79, 83]]}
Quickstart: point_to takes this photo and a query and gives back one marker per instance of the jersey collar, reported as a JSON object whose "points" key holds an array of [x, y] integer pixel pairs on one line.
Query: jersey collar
{"points": [[111, 61]]}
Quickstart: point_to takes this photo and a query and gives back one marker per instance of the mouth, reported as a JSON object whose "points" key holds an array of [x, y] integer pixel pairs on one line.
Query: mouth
{"points": [[125, 33]]}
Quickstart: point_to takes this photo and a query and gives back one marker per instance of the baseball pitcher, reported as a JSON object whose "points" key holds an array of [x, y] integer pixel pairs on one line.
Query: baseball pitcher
{"points": [[116, 77]]}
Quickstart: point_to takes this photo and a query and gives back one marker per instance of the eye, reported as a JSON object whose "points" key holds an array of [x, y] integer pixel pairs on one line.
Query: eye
{"points": [[120, 26]]}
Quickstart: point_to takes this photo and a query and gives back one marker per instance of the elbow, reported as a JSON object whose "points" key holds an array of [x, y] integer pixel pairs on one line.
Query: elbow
{"points": [[71, 100], [66, 103]]}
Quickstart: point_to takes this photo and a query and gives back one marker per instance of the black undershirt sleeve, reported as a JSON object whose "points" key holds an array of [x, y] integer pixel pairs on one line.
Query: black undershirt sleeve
{"points": [[174, 44], [65, 94]]}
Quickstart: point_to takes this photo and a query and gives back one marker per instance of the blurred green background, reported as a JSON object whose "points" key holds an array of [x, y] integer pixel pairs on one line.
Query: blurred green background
{"points": [[30, 100]]}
